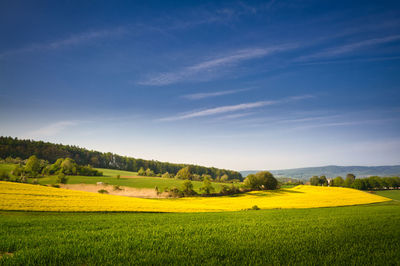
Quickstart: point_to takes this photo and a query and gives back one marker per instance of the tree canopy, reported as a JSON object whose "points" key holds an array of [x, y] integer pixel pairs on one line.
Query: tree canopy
{"points": [[261, 181], [13, 147]]}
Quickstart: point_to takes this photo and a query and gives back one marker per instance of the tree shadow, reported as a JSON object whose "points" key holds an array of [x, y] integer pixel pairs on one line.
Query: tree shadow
{"points": [[262, 193]]}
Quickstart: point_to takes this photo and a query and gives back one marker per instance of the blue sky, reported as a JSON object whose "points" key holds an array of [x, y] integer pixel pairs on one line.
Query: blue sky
{"points": [[232, 84]]}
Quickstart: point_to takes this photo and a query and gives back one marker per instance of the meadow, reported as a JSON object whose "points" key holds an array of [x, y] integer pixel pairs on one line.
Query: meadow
{"points": [[42, 225], [361, 235], [127, 179], [393, 194]]}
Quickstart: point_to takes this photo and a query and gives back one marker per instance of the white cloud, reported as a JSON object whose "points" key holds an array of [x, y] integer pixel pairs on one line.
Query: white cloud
{"points": [[232, 108], [198, 96], [54, 129], [212, 65], [73, 40], [336, 51]]}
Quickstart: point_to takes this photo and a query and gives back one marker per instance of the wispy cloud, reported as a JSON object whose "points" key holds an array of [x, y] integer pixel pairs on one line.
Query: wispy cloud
{"points": [[54, 129], [198, 96], [213, 64], [340, 50], [73, 40], [232, 108]]}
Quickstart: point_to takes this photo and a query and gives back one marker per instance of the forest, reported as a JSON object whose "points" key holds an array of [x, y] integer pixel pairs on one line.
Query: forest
{"points": [[14, 147]]}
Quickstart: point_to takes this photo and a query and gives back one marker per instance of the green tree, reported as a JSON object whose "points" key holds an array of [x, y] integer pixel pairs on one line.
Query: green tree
{"points": [[314, 181], [166, 175], [323, 181], [187, 188], [207, 187], [349, 180], [68, 167], [338, 181], [149, 172], [17, 171], [184, 173], [205, 176], [32, 167], [141, 172], [62, 178], [224, 178], [261, 181], [359, 184]]}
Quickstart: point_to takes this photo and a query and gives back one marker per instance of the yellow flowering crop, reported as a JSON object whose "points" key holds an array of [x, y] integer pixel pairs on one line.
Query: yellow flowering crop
{"points": [[17, 196]]}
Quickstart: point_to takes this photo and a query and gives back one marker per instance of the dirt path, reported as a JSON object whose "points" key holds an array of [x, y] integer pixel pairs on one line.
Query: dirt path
{"points": [[123, 191]]}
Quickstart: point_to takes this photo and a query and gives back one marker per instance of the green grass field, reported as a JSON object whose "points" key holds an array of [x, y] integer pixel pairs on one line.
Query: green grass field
{"points": [[356, 235], [392, 194], [8, 167], [110, 177]]}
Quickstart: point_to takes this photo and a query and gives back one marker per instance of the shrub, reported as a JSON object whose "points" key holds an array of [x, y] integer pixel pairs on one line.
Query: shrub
{"points": [[187, 188], [166, 175], [103, 191], [62, 179], [174, 192], [207, 187], [117, 188], [4, 175]]}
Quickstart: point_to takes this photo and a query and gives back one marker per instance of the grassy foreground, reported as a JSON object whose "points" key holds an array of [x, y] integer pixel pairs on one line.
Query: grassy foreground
{"points": [[17, 196], [355, 235]]}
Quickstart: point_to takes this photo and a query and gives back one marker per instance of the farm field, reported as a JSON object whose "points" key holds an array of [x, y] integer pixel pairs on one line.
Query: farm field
{"points": [[17, 196], [127, 179], [361, 235], [392, 194]]}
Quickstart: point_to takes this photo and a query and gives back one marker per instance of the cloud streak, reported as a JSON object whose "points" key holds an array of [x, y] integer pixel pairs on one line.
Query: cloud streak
{"points": [[337, 51], [213, 64], [232, 108], [72, 40], [198, 96], [55, 128]]}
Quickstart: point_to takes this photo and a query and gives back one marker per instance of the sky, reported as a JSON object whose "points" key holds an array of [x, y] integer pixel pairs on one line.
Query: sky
{"points": [[232, 84]]}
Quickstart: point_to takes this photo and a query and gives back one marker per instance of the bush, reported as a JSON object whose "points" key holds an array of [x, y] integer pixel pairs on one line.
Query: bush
{"points": [[255, 207], [166, 175], [103, 191], [187, 188], [62, 179], [117, 188], [174, 192], [226, 190], [207, 187], [4, 175]]}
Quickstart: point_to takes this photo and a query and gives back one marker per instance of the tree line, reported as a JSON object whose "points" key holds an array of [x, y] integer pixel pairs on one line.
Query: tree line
{"points": [[369, 183], [14, 147], [260, 181]]}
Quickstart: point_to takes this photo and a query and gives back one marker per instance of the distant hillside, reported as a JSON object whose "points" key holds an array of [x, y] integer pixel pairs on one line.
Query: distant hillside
{"points": [[13, 147], [333, 171]]}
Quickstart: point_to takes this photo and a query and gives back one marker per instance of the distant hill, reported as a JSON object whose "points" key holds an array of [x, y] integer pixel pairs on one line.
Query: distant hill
{"points": [[333, 171]]}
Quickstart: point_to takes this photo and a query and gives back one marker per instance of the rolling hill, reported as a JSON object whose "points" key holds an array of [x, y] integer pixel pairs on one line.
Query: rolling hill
{"points": [[333, 171]]}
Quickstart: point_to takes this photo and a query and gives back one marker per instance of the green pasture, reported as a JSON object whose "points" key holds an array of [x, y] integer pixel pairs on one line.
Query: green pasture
{"points": [[356, 235], [392, 194], [128, 179]]}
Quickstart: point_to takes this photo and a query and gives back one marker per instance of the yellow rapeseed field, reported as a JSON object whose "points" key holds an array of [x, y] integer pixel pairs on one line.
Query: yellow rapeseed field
{"points": [[16, 196]]}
